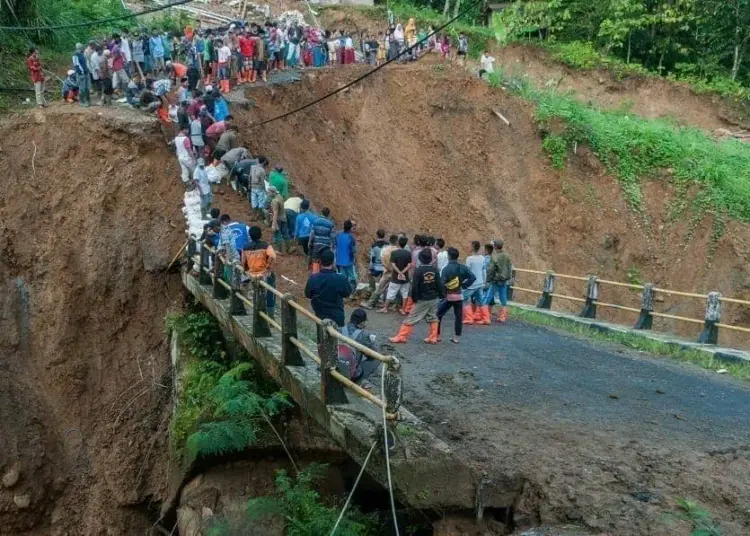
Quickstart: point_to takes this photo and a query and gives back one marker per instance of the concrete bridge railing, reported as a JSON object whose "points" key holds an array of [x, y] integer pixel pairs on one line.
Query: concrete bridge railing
{"points": [[590, 301]]}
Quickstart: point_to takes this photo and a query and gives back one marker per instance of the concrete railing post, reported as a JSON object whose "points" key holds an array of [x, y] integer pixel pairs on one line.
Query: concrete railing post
{"points": [[710, 333], [511, 284], [204, 278], [289, 352], [260, 325], [646, 319], [236, 305], [545, 301], [592, 294], [392, 386], [220, 291], [331, 390]]}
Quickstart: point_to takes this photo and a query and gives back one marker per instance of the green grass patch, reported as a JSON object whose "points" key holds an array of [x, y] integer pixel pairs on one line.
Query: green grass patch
{"points": [[702, 521], [632, 341], [633, 148]]}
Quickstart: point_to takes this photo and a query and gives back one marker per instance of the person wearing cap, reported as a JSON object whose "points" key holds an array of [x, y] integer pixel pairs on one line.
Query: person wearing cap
{"points": [[352, 362], [427, 289], [70, 87], [327, 289], [277, 179], [83, 76], [200, 180], [499, 273]]}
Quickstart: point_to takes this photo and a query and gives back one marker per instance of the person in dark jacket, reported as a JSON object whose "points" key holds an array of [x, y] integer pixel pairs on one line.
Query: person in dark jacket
{"points": [[499, 273], [427, 290], [456, 277], [327, 289]]}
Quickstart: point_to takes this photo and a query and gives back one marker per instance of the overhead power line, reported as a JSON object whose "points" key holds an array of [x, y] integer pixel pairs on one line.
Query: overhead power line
{"points": [[93, 22], [368, 73]]}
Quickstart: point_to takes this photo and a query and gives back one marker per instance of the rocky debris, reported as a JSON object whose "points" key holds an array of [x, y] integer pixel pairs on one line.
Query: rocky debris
{"points": [[11, 476], [292, 17], [726, 134], [23, 501]]}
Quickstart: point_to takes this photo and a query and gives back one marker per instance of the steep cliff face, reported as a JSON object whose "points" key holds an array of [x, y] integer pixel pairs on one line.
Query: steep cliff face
{"points": [[86, 235]]}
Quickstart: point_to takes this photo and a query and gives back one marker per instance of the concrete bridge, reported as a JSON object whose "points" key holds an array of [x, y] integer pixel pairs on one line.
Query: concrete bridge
{"points": [[514, 413]]}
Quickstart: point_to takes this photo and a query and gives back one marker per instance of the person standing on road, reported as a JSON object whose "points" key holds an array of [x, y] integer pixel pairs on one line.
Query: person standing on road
{"points": [[441, 254], [34, 65], [498, 275], [83, 76], [427, 290], [327, 289], [473, 295], [375, 266], [456, 277], [346, 250], [385, 278], [400, 267]]}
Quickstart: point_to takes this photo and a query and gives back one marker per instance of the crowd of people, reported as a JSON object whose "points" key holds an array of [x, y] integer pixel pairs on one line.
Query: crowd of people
{"points": [[135, 65]]}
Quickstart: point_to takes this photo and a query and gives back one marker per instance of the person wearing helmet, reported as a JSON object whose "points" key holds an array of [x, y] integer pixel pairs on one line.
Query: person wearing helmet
{"points": [[70, 87]]}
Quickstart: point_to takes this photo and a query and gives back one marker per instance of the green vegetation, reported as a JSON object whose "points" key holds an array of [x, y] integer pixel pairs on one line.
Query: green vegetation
{"points": [[635, 342], [222, 404], [699, 517], [632, 148], [300, 507], [703, 42]]}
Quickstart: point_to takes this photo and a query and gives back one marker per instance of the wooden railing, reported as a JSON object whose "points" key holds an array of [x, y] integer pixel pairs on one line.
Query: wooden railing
{"points": [[210, 270], [711, 321]]}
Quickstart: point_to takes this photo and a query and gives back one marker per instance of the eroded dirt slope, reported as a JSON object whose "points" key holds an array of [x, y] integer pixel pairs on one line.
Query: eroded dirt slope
{"points": [[420, 149], [84, 238]]}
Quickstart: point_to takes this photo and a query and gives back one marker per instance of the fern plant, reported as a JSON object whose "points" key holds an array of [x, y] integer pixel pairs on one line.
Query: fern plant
{"points": [[300, 506], [235, 408], [200, 335]]}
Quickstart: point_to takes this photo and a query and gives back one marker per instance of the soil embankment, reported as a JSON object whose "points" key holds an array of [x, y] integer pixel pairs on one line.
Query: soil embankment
{"points": [[85, 236], [419, 148]]}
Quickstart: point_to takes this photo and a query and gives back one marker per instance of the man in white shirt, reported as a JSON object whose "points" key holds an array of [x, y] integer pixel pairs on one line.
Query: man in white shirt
{"points": [[442, 256], [473, 294], [486, 64], [224, 55]]}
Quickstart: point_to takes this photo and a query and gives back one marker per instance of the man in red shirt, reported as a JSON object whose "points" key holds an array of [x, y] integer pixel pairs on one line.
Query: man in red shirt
{"points": [[37, 78], [247, 50]]}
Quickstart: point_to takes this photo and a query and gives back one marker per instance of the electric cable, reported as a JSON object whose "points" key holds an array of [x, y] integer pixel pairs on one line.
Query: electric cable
{"points": [[351, 493], [368, 73], [387, 452], [93, 22]]}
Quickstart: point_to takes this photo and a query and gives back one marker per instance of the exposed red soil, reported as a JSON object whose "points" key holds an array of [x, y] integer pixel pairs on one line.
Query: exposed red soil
{"points": [[85, 398], [416, 148]]}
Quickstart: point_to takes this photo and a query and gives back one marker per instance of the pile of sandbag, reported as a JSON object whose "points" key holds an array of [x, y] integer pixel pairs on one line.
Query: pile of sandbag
{"points": [[192, 211]]}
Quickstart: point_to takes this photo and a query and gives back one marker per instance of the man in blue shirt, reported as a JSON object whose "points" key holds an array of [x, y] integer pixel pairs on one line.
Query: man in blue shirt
{"points": [[83, 76], [321, 238], [303, 226], [327, 289], [346, 248], [156, 47]]}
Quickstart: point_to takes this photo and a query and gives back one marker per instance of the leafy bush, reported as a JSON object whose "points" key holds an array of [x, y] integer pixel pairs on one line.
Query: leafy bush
{"points": [[235, 408], [297, 502], [198, 379], [200, 335], [557, 148]]}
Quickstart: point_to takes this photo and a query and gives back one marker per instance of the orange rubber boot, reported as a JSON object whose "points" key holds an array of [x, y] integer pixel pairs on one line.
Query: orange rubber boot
{"points": [[468, 316], [485, 319], [404, 333], [502, 315], [433, 337]]}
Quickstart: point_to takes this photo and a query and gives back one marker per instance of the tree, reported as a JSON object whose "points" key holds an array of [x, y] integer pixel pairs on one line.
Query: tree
{"points": [[625, 17]]}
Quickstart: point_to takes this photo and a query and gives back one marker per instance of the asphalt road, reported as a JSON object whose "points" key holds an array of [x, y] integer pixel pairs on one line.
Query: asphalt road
{"points": [[571, 379]]}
